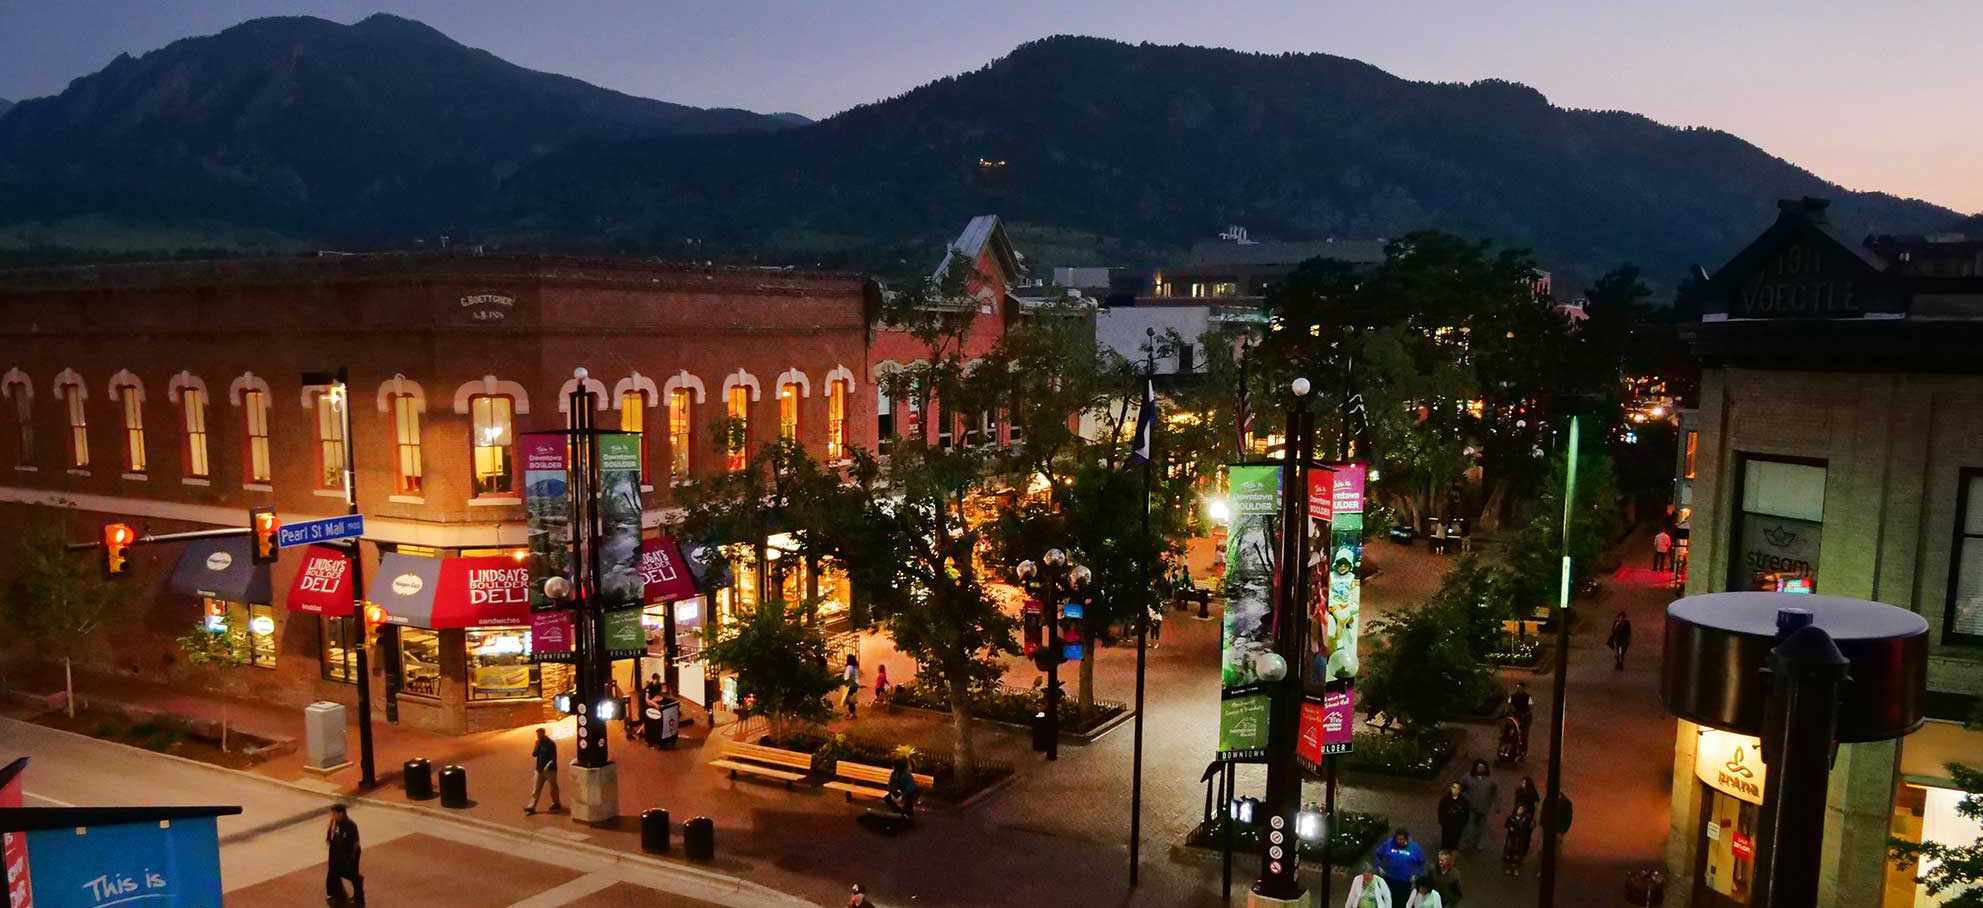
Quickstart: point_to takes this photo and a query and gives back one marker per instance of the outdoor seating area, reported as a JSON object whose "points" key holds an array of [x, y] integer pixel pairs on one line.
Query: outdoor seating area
{"points": [[871, 782], [785, 766]]}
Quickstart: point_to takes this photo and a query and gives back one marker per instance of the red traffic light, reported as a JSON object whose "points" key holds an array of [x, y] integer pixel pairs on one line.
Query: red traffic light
{"points": [[262, 527], [117, 539]]}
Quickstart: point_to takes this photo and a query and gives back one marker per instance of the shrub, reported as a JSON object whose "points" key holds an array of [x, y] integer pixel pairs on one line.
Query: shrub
{"points": [[1011, 705], [1407, 756], [1349, 842]]}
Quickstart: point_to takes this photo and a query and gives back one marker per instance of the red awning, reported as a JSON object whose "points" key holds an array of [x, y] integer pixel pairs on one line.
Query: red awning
{"points": [[482, 591], [323, 583]]}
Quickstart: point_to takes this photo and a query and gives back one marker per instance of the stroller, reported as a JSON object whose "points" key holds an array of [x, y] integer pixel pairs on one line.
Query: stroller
{"points": [[1512, 747]]}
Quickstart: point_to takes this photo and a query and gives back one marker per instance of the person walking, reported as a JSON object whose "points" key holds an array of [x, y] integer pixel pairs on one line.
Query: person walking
{"points": [[901, 789], [1423, 895], [1399, 861], [1619, 640], [544, 757], [1156, 614], [880, 684], [1522, 706], [858, 897], [1445, 877], [341, 840], [1525, 793], [1482, 793], [1453, 813], [850, 678], [1367, 890], [1662, 550], [1521, 827]]}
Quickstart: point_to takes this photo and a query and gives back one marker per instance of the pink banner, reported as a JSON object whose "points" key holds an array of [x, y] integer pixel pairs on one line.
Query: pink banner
{"points": [[551, 636]]}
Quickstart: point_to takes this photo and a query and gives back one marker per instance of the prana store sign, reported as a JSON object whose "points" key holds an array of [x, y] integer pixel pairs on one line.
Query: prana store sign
{"points": [[1731, 764]]}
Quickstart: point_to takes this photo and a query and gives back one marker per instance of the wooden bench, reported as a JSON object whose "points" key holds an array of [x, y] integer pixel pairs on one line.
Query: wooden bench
{"points": [[860, 779], [786, 766]]}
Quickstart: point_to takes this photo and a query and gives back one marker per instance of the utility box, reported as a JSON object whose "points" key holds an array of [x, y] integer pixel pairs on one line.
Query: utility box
{"points": [[323, 737]]}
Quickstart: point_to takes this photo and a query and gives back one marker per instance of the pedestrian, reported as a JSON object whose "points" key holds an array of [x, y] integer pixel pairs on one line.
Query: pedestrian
{"points": [[1482, 793], [544, 756], [655, 688], [1399, 861], [858, 897], [1423, 895], [1438, 536], [341, 839], [901, 789], [880, 683], [1521, 826], [1367, 890], [850, 678], [1156, 614], [1453, 815], [1619, 640], [1525, 793], [1522, 707], [1662, 550], [1445, 877]]}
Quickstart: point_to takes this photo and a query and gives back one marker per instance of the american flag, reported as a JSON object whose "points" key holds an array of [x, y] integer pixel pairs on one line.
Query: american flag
{"points": [[1243, 407]]}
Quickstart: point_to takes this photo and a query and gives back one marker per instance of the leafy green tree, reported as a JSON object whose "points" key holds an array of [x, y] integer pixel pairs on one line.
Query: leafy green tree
{"points": [[1535, 559], [779, 659], [1958, 869], [56, 599], [210, 652], [1425, 669]]}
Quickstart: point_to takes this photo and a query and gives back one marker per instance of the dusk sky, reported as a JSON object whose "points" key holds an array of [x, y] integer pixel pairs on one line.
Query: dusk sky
{"points": [[1874, 96]]}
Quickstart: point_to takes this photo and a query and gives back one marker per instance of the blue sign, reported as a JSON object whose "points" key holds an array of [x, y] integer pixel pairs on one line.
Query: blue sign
{"points": [[161, 864], [325, 530]]}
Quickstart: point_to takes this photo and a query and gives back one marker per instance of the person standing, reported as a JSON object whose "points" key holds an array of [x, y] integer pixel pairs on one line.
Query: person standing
{"points": [[1525, 793], [1423, 895], [1522, 706], [1619, 640], [1445, 877], [850, 678], [341, 840], [1662, 550], [544, 757], [1482, 793], [1520, 826], [1367, 890], [1156, 614], [1453, 813], [880, 683], [1399, 861]]}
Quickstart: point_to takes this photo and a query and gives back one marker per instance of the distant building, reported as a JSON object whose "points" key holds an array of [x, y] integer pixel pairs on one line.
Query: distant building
{"points": [[1225, 270]]}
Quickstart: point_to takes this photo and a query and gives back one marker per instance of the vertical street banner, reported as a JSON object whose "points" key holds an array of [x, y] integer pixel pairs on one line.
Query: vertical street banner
{"points": [[552, 636], [620, 581], [664, 576], [1335, 518], [547, 510], [1252, 543]]}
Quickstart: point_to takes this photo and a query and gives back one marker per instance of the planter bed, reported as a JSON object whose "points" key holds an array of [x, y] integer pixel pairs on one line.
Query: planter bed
{"points": [[1401, 756], [165, 734], [1014, 707], [1356, 834]]}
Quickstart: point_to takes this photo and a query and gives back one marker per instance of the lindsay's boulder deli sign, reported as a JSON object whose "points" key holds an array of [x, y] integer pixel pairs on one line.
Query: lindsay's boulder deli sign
{"points": [[491, 589], [323, 584]]}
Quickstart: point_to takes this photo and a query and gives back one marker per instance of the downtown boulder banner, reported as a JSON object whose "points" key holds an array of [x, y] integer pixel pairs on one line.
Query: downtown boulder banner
{"points": [[1330, 659], [620, 582], [547, 510], [1252, 544]]}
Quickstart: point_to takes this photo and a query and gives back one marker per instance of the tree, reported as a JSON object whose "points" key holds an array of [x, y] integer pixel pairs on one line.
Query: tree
{"points": [[1426, 669], [1957, 870], [1535, 559], [57, 599], [779, 659], [210, 650]]}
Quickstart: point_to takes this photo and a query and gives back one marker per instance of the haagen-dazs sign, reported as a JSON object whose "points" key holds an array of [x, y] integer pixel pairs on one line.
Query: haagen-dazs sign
{"points": [[487, 307]]}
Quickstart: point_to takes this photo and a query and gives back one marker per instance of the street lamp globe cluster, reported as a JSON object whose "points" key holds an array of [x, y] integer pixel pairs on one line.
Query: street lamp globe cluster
{"points": [[1052, 575]]}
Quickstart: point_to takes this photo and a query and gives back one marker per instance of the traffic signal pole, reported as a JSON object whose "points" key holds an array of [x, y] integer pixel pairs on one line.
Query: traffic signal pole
{"points": [[367, 768]]}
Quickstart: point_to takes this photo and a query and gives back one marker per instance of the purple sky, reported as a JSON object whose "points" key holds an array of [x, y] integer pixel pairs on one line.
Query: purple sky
{"points": [[1871, 95]]}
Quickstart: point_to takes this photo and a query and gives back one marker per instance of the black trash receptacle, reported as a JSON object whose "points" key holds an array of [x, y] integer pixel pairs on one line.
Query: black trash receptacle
{"points": [[1042, 737], [654, 831], [418, 776], [662, 722], [454, 787], [699, 839]]}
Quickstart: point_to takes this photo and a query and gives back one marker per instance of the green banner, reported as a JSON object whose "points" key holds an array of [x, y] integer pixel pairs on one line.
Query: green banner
{"points": [[625, 638], [620, 583], [1252, 545]]}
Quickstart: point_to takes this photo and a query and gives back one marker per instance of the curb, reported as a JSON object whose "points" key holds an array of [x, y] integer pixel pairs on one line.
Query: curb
{"points": [[708, 879]]}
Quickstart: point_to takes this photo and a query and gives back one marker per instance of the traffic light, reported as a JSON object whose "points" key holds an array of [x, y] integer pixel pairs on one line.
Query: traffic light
{"points": [[262, 526], [117, 539]]}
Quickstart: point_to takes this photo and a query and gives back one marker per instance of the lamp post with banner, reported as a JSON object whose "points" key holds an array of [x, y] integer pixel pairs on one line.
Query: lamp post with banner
{"points": [[1279, 883], [339, 394]]}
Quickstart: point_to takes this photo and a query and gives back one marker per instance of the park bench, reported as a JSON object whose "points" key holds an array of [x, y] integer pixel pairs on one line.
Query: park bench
{"points": [[786, 766], [869, 781]]}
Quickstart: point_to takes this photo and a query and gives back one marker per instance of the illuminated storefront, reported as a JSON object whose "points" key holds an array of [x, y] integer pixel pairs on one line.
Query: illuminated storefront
{"points": [[1728, 771], [461, 638], [234, 598]]}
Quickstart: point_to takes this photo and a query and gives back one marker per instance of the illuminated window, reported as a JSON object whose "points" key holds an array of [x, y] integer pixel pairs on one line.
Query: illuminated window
{"points": [[738, 444], [339, 661], [1693, 446], [836, 420], [407, 468], [884, 416], [633, 418], [330, 439], [79, 425], [680, 417], [255, 417], [22, 396], [788, 412], [493, 427], [499, 664], [1159, 286], [193, 402]]}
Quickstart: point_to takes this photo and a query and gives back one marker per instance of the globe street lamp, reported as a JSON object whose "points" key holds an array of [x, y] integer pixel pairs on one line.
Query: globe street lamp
{"points": [[1050, 577]]}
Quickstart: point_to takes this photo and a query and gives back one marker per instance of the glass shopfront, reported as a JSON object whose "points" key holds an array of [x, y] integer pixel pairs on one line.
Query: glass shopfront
{"points": [[419, 662], [1729, 769], [1778, 528], [340, 662], [248, 628], [499, 666]]}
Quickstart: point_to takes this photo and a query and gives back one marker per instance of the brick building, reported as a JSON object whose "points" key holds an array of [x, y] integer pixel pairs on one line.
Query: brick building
{"points": [[171, 396], [1838, 448]]}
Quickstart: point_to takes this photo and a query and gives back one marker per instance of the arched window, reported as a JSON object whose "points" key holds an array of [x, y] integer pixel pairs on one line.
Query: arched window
{"points": [[633, 418], [328, 406], [493, 421], [737, 445], [405, 410], [129, 395], [20, 395], [193, 409], [250, 392], [836, 420], [788, 412], [69, 389]]}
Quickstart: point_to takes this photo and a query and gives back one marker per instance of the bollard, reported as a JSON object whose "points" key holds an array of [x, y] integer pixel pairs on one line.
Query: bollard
{"points": [[418, 776], [454, 787], [699, 839], [654, 831]]}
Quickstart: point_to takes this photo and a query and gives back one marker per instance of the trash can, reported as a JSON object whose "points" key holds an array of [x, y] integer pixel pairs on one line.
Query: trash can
{"points": [[699, 839], [1042, 737], [654, 831], [418, 775], [662, 722], [454, 787]]}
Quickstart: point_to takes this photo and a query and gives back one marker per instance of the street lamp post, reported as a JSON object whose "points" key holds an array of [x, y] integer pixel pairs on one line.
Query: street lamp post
{"points": [[1053, 575], [354, 626], [1280, 858]]}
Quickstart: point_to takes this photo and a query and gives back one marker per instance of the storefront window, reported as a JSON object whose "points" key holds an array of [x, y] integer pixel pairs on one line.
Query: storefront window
{"points": [[1729, 856], [499, 666], [420, 662], [1778, 527], [1693, 448], [1965, 615], [340, 662], [494, 432], [247, 629]]}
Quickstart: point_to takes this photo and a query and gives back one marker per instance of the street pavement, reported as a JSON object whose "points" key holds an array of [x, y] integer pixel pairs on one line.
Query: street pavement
{"points": [[1056, 833]]}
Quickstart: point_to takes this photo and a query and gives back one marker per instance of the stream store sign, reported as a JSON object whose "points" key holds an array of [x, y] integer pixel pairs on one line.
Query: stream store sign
{"points": [[157, 864], [1731, 764]]}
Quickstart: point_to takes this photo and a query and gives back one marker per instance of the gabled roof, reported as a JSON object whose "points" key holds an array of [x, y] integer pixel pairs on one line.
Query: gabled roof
{"points": [[985, 230]]}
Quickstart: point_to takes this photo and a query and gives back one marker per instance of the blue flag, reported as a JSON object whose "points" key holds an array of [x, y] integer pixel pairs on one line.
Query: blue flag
{"points": [[1146, 424]]}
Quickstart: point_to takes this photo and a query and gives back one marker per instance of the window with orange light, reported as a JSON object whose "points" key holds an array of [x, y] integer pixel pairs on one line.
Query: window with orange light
{"points": [[836, 420], [788, 412], [737, 446]]}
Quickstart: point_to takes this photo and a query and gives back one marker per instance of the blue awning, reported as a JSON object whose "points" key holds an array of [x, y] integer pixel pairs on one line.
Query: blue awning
{"points": [[221, 568], [405, 587]]}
